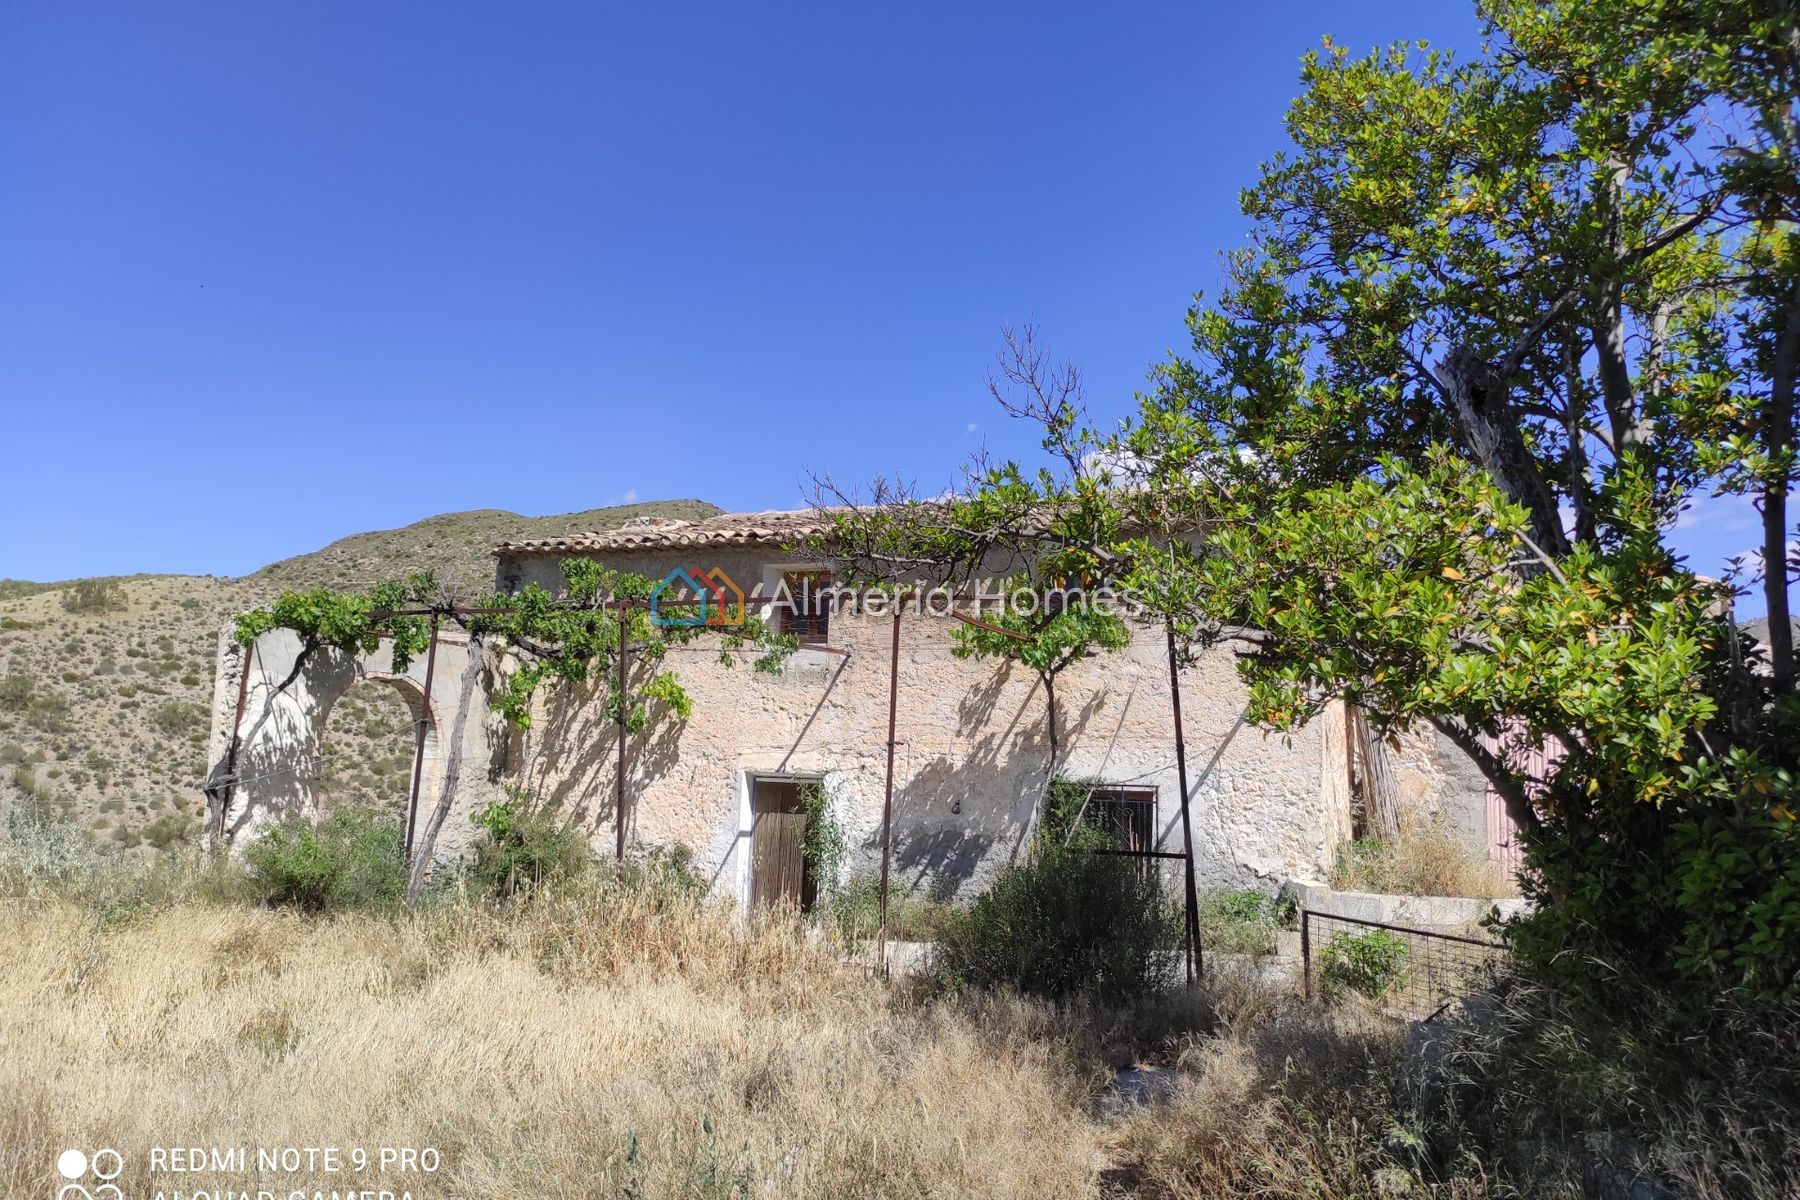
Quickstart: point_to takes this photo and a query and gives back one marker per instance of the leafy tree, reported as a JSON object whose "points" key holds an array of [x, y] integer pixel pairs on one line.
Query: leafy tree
{"points": [[1054, 558], [1502, 321]]}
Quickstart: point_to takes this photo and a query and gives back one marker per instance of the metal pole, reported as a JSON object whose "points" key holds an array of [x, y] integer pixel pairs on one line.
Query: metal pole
{"points": [[425, 717], [1306, 954], [619, 774], [887, 797], [1196, 962], [231, 755]]}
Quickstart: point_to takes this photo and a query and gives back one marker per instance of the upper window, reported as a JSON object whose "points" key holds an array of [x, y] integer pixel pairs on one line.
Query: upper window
{"points": [[807, 613]]}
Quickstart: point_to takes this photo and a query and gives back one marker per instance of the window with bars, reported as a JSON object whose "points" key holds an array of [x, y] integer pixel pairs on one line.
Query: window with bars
{"points": [[807, 615], [1126, 815]]}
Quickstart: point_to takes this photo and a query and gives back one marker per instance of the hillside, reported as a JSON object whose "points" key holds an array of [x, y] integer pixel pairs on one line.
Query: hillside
{"points": [[105, 684]]}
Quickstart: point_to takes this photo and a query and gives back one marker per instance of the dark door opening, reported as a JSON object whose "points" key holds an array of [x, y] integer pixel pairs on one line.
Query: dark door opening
{"points": [[778, 871]]}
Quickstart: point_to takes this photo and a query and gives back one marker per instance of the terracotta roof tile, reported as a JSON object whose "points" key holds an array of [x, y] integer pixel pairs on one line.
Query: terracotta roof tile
{"points": [[783, 528]]}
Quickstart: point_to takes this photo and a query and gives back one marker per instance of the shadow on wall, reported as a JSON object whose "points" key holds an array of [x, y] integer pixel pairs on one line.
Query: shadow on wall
{"points": [[565, 758], [954, 811], [279, 761]]}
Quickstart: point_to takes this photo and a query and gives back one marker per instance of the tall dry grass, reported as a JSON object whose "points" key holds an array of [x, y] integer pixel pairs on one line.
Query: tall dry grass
{"points": [[1427, 859], [606, 1046], [633, 1040]]}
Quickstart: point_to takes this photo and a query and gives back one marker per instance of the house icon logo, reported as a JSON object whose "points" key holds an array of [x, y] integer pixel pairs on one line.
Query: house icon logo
{"points": [[689, 598]]}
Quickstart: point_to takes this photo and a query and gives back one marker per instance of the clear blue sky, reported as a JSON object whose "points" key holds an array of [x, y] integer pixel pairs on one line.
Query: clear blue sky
{"points": [[273, 273]]}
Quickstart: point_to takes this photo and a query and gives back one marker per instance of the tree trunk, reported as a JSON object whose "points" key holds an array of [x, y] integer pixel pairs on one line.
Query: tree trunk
{"points": [[1374, 777], [1780, 427], [1490, 432]]}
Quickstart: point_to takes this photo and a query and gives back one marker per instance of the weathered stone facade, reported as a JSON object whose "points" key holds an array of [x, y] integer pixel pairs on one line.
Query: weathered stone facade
{"points": [[970, 756]]}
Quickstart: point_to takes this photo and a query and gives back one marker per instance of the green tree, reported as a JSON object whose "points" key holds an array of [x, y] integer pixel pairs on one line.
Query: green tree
{"points": [[1503, 320]]}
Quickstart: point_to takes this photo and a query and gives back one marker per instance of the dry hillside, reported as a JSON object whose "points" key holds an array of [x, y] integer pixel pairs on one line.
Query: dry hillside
{"points": [[104, 684]]}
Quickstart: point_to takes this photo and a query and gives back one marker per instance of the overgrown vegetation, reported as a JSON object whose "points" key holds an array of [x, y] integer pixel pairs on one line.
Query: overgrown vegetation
{"points": [[778, 1070], [350, 858], [1244, 921], [1427, 859], [822, 844], [523, 849], [853, 912], [1063, 924]]}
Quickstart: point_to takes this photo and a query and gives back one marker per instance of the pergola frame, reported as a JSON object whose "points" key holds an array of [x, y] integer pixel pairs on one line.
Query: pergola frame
{"points": [[1193, 952]]}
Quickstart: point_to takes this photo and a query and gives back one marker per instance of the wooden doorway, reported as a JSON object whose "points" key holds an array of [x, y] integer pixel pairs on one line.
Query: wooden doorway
{"points": [[778, 871]]}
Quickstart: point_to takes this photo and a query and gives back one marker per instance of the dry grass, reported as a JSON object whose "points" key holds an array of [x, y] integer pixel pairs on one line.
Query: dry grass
{"points": [[634, 1041], [611, 1046], [1427, 859], [1280, 1099]]}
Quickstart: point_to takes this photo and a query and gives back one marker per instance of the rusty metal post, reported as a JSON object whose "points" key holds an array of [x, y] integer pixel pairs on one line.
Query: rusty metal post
{"points": [[231, 755], [887, 796], [619, 774], [1196, 962], [1306, 954], [426, 717]]}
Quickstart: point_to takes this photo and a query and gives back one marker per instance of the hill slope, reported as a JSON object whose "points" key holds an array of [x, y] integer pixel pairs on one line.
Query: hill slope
{"points": [[105, 685]]}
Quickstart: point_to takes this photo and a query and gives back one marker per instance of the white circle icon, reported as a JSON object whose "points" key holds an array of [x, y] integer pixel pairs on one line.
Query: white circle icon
{"points": [[72, 1164]]}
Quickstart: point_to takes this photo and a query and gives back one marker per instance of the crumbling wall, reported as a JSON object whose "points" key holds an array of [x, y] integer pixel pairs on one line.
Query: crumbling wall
{"points": [[275, 771]]}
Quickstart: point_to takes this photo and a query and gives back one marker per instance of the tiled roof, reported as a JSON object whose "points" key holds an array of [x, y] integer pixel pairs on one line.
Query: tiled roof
{"points": [[665, 533]]}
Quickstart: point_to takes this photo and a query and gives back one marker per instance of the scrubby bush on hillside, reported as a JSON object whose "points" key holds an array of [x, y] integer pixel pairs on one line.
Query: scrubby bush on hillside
{"points": [[94, 596], [175, 717], [16, 691], [1066, 923], [348, 859]]}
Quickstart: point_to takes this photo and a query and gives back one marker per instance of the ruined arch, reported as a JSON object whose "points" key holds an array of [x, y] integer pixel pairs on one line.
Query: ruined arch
{"points": [[265, 759]]}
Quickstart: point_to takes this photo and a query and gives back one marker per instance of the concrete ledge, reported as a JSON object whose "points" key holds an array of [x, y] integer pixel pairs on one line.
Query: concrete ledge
{"points": [[1417, 912]]}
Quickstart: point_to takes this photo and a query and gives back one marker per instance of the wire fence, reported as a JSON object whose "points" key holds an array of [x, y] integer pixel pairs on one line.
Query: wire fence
{"points": [[1416, 973]]}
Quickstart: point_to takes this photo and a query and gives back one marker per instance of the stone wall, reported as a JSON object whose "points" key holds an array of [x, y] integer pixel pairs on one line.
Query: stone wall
{"points": [[970, 761], [278, 760]]}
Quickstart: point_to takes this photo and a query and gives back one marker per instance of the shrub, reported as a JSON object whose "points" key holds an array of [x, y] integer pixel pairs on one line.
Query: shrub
{"points": [[853, 912], [349, 859], [523, 849], [1067, 923], [1370, 964], [16, 692], [1243, 922], [94, 595], [173, 717]]}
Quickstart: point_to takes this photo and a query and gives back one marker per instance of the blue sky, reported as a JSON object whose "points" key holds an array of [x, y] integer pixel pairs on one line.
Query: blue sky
{"points": [[273, 273]]}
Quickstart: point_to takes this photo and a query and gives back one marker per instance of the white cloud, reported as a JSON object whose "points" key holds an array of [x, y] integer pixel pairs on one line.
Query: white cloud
{"points": [[630, 496], [973, 426], [1727, 513]]}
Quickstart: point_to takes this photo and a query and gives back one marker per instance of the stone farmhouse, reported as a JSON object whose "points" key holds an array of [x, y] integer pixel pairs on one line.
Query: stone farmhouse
{"points": [[969, 761]]}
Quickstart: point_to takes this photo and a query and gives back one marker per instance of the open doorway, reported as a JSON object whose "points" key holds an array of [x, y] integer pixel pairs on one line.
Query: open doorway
{"points": [[779, 874], [367, 743]]}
